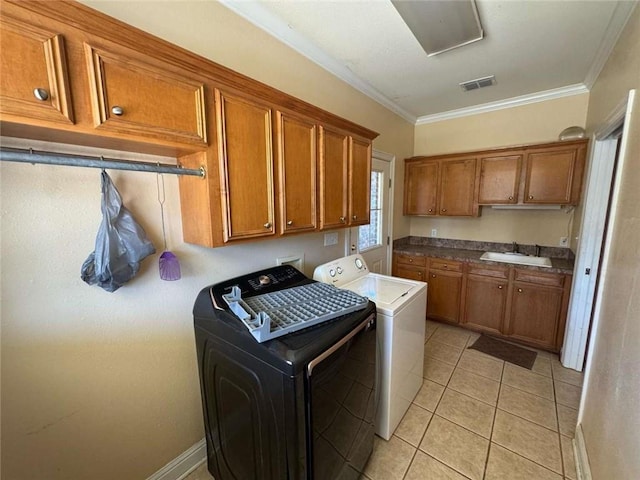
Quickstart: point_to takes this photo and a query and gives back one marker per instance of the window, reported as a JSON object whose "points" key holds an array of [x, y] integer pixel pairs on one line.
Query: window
{"points": [[370, 236]]}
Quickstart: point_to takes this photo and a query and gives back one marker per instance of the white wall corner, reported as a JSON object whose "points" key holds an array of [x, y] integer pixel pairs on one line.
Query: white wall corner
{"points": [[583, 469], [183, 464]]}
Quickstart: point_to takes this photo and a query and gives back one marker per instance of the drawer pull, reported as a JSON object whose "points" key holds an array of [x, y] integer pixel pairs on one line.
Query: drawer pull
{"points": [[355, 217], [411, 260], [433, 275], [289, 222], [267, 225], [431, 209], [510, 197], [519, 290], [500, 287], [342, 219], [443, 210], [530, 197], [41, 94], [116, 110]]}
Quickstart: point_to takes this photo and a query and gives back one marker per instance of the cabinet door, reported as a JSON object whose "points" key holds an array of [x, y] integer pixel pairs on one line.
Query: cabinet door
{"points": [[246, 163], [359, 181], [334, 163], [420, 188], [499, 179], [550, 174], [485, 303], [535, 313], [297, 173], [132, 97], [34, 82], [443, 295], [457, 186]]}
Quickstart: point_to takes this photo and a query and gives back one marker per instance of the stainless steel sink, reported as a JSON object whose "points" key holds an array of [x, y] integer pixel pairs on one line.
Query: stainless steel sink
{"points": [[516, 258]]}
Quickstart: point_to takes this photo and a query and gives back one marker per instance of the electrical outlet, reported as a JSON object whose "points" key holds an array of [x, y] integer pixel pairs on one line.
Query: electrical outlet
{"points": [[434, 232], [564, 242]]}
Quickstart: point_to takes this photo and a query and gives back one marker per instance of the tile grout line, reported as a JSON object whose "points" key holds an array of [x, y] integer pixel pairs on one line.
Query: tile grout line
{"points": [[493, 424]]}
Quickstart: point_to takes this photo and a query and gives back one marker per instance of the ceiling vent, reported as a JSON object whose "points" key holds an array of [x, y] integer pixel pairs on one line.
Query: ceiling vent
{"points": [[478, 83]]}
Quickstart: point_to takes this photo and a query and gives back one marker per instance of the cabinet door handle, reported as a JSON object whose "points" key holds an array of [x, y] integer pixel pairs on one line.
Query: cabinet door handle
{"points": [[355, 217], [519, 290], [431, 209], [445, 266], [41, 94], [267, 225], [510, 197], [342, 219], [433, 275], [530, 197], [411, 260], [443, 210], [420, 274], [289, 222], [116, 110], [500, 287]]}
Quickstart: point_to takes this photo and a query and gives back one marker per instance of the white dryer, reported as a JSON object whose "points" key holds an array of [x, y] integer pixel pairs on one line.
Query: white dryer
{"points": [[401, 310]]}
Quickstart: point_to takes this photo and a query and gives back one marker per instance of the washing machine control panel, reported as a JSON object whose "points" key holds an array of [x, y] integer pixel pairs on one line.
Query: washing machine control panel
{"points": [[342, 270]]}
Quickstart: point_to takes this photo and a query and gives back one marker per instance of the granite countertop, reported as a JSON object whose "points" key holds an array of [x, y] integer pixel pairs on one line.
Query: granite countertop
{"points": [[562, 259]]}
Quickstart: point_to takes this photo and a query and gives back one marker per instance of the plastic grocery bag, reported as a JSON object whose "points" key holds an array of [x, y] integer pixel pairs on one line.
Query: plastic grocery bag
{"points": [[121, 243]]}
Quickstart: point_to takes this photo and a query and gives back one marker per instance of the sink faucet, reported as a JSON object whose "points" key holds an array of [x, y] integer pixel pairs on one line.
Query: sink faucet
{"points": [[514, 248]]}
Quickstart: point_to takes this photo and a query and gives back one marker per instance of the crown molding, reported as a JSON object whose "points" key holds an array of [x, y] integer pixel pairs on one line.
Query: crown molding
{"points": [[543, 96], [619, 19], [264, 19]]}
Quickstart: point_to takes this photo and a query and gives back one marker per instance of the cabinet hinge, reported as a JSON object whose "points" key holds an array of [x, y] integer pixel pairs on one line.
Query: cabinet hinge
{"points": [[387, 240], [389, 183]]}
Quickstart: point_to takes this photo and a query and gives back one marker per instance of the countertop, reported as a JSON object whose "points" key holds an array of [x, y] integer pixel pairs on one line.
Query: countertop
{"points": [[562, 259]]}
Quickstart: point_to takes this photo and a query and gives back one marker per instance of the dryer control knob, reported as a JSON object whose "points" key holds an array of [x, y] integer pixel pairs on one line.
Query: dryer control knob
{"points": [[264, 280]]}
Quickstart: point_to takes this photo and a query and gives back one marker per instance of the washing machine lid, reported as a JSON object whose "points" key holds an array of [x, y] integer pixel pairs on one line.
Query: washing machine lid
{"points": [[388, 293]]}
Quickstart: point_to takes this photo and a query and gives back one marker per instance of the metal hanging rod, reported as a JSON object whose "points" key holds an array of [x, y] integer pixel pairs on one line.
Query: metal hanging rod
{"points": [[49, 158]]}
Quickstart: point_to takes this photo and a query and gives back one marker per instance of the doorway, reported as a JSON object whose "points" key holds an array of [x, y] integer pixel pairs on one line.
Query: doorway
{"points": [[373, 241], [607, 155]]}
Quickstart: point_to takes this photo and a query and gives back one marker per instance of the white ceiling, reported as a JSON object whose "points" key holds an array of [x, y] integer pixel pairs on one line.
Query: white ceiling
{"points": [[536, 49]]}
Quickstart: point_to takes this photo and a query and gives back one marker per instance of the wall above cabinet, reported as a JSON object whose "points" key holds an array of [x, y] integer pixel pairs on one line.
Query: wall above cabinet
{"points": [[527, 176]]}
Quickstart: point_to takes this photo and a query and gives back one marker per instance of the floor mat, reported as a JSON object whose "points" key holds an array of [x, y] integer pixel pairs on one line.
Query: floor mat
{"points": [[505, 351]]}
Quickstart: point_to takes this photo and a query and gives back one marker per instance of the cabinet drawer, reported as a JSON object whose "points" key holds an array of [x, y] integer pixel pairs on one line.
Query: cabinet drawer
{"points": [[487, 271], [448, 265], [133, 97], [411, 273], [411, 260], [538, 278]]}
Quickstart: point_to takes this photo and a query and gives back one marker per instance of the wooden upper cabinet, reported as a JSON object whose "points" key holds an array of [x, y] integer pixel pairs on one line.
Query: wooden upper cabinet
{"points": [[554, 175], [457, 187], [359, 181], [246, 166], [499, 179], [440, 186], [420, 188], [333, 175], [296, 160], [131, 96], [34, 78]]}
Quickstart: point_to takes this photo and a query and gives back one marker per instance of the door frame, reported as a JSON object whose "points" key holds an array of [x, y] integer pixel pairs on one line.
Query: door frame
{"points": [[391, 159], [594, 246]]}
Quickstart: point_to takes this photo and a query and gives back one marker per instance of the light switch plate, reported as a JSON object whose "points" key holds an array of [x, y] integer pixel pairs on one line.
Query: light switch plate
{"points": [[330, 238]]}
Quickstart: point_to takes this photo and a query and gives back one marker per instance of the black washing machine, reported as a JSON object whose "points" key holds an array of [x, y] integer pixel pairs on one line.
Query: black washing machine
{"points": [[299, 406]]}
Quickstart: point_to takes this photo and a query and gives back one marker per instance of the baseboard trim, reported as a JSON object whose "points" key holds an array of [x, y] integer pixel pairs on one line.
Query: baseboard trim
{"points": [[583, 469], [183, 464]]}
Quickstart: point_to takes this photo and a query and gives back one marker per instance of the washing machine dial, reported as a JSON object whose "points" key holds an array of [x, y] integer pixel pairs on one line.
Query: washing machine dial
{"points": [[359, 264], [332, 273], [339, 270]]}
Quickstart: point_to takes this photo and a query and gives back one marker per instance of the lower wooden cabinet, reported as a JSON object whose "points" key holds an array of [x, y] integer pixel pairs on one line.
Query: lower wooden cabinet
{"points": [[444, 290], [523, 305], [485, 303]]}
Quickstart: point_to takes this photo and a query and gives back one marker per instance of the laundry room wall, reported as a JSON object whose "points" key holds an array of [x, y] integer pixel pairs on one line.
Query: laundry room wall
{"points": [[105, 385], [527, 124]]}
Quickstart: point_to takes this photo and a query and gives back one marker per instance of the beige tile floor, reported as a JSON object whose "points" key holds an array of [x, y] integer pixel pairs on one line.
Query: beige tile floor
{"points": [[477, 417]]}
